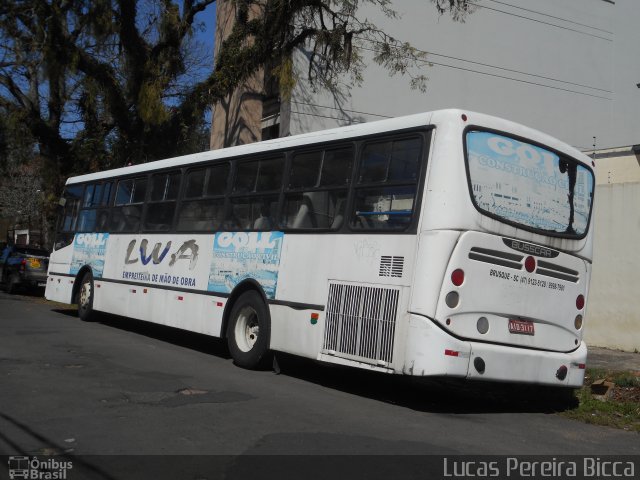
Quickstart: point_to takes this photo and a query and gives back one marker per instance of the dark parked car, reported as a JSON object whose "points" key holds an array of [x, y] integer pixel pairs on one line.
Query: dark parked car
{"points": [[23, 266]]}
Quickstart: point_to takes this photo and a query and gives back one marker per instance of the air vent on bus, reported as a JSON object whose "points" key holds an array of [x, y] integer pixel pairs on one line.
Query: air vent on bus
{"points": [[391, 266], [360, 322], [557, 271], [496, 257]]}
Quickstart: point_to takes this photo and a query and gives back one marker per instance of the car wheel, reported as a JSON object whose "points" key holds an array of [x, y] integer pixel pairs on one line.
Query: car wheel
{"points": [[85, 298], [249, 331]]}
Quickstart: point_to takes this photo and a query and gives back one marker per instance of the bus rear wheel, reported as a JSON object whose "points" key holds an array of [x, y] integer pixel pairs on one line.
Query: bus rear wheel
{"points": [[248, 331], [85, 298]]}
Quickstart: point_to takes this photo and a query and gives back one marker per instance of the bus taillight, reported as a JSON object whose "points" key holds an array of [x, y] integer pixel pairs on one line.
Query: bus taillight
{"points": [[580, 302], [457, 277], [530, 264]]}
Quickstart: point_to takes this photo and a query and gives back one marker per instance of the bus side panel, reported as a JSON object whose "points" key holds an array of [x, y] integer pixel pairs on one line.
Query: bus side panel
{"points": [[434, 251], [311, 263], [298, 332], [430, 351], [58, 288], [195, 312]]}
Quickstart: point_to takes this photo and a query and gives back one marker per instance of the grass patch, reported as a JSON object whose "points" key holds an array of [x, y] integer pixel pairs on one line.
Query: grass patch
{"points": [[622, 407]]}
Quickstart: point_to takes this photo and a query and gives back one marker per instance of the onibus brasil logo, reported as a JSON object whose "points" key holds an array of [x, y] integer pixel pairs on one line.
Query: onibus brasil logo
{"points": [[36, 469]]}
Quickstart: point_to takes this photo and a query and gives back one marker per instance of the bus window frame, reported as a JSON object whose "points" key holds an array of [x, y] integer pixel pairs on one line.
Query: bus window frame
{"points": [[561, 155], [147, 200], [357, 145], [315, 148], [105, 207], [425, 134], [186, 170], [231, 195]]}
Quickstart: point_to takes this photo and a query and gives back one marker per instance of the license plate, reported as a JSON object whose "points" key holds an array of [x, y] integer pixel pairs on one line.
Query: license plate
{"points": [[521, 327], [42, 284], [35, 263]]}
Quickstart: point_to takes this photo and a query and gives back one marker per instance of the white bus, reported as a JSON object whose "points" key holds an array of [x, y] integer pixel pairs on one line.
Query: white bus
{"points": [[447, 243]]}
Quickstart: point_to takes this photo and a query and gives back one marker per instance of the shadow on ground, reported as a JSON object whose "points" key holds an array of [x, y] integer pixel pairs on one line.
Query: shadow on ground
{"points": [[436, 395]]}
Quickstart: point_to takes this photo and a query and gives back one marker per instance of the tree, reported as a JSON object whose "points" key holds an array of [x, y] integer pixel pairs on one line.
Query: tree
{"points": [[104, 83]]}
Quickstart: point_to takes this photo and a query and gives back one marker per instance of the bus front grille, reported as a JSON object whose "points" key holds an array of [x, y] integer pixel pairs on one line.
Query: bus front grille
{"points": [[360, 322]]}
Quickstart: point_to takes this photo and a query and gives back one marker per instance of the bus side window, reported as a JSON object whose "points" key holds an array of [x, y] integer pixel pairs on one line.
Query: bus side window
{"points": [[72, 195], [164, 188], [259, 182], [202, 207], [387, 185], [317, 190], [127, 212], [94, 214]]}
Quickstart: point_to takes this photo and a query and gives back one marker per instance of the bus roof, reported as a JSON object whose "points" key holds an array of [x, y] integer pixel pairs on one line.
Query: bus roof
{"points": [[336, 134]]}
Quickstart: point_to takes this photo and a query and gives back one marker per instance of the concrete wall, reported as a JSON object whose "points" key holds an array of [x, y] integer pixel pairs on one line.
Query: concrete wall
{"points": [[613, 311]]}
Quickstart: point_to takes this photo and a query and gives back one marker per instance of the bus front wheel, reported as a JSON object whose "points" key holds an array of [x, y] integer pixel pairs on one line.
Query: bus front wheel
{"points": [[85, 298], [248, 331]]}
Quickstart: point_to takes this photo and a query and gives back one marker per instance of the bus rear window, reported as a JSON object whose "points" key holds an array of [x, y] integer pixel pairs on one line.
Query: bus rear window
{"points": [[528, 186]]}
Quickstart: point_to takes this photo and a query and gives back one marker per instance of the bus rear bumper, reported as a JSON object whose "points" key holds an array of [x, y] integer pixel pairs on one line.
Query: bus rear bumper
{"points": [[507, 364], [433, 352]]}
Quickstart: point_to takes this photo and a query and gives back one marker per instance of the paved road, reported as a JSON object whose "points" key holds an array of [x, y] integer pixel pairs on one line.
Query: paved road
{"points": [[124, 387]]}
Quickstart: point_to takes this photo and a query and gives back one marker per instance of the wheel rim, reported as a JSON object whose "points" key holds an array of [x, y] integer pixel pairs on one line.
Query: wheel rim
{"points": [[85, 295], [247, 329]]}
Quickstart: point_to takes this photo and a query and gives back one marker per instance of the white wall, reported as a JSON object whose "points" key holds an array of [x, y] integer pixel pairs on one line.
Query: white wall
{"points": [[617, 166], [564, 67], [613, 311]]}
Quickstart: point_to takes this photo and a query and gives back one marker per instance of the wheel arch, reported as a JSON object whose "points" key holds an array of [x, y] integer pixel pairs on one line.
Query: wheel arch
{"points": [[78, 280], [242, 287]]}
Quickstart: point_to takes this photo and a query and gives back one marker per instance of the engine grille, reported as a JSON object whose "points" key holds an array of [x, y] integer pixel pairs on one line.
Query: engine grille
{"points": [[360, 322], [391, 266]]}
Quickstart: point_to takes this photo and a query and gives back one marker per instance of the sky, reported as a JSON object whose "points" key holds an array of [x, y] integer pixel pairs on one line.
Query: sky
{"points": [[208, 21]]}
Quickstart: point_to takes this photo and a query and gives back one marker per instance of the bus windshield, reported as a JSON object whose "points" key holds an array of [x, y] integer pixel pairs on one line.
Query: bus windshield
{"points": [[527, 185]]}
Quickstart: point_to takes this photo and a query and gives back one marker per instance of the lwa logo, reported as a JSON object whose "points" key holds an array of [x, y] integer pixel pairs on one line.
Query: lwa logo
{"points": [[187, 251]]}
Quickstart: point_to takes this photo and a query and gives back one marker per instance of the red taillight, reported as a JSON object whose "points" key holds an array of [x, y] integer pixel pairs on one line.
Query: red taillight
{"points": [[530, 264], [580, 302], [23, 265], [457, 277], [451, 353], [464, 117]]}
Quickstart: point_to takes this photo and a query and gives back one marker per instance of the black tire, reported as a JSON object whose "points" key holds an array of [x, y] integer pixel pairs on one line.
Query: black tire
{"points": [[84, 298], [12, 285], [249, 331]]}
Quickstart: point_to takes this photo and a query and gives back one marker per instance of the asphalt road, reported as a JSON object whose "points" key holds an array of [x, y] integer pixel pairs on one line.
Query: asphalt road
{"points": [[122, 387]]}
